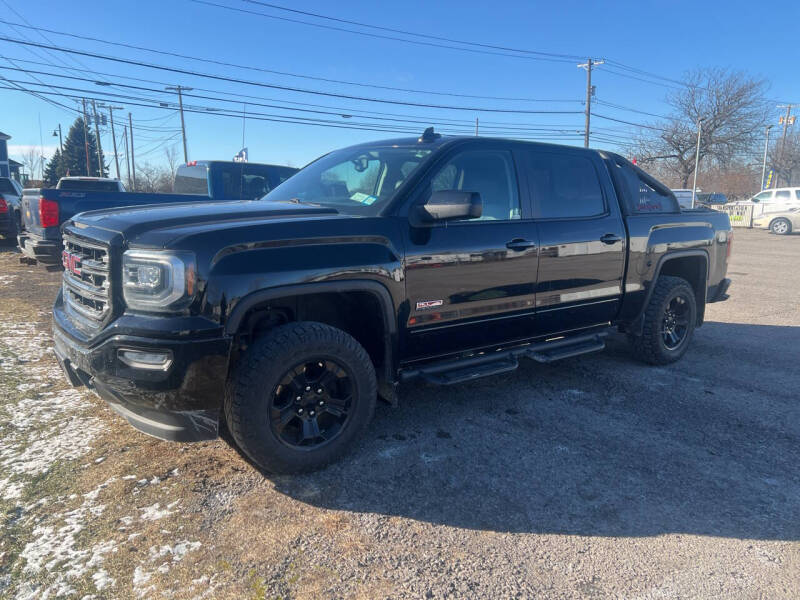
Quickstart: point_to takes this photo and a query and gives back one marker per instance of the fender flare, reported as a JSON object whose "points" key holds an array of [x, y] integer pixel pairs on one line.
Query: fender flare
{"points": [[387, 379], [638, 322], [234, 320]]}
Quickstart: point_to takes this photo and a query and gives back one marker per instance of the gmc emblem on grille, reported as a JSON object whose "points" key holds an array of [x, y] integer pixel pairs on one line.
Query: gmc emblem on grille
{"points": [[71, 262]]}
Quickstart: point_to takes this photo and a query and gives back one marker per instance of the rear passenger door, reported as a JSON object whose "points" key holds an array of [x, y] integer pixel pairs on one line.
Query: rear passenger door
{"points": [[582, 239]]}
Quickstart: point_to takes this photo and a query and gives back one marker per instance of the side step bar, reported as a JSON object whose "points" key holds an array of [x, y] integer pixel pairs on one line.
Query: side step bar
{"points": [[493, 363]]}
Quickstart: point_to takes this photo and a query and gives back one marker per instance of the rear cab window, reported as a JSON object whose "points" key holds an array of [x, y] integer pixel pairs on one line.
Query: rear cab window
{"points": [[80, 185], [191, 179]]}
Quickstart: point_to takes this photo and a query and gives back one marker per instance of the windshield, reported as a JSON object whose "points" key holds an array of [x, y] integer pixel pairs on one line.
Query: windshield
{"points": [[358, 181]]}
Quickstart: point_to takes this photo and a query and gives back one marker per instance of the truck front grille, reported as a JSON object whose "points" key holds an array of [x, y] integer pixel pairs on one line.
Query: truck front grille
{"points": [[87, 285]]}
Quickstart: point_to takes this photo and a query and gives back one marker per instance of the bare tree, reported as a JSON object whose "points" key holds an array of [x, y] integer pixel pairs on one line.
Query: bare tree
{"points": [[32, 160], [171, 154], [733, 110], [785, 159], [153, 180]]}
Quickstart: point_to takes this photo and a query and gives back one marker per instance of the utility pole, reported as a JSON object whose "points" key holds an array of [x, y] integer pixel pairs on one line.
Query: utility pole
{"points": [[60, 139], [787, 120], [86, 138], [697, 159], [133, 161], [180, 89], [111, 110], [588, 65], [97, 135], [127, 155], [476, 126], [764, 166]]}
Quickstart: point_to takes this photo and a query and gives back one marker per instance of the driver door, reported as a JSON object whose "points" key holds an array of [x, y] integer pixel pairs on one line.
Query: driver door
{"points": [[471, 283]]}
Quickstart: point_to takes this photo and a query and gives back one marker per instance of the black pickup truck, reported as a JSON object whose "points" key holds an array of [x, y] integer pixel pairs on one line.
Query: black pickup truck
{"points": [[445, 259]]}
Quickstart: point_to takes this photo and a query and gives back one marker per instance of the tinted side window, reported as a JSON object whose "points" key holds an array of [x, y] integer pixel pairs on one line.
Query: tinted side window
{"points": [[564, 186], [488, 172], [782, 194], [640, 193]]}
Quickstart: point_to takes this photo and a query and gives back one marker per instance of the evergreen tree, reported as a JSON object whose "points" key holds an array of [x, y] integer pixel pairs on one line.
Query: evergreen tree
{"points": [[73, 158], [55, 169]]}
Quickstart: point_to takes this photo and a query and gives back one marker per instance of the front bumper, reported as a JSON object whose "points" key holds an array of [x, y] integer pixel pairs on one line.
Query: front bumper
{"points": [[181, 403], [47, 252]]}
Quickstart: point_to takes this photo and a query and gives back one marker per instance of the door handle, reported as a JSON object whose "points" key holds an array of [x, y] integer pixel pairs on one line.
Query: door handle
{"points": [[610, 238], [520, 244]]}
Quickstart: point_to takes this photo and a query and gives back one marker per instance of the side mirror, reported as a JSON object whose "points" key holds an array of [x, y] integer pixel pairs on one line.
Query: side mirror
{"points": [[445, 205]]}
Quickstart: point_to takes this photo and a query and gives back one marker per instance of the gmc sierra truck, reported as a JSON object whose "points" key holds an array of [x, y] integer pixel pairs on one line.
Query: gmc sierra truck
{"points": [[445, 259], [45, 210]]}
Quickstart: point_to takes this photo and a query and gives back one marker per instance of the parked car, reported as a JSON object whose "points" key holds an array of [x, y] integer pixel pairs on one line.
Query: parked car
{"points": [[44, 210], [781, 223], [445, 259], [775, 200], [10, 194]]}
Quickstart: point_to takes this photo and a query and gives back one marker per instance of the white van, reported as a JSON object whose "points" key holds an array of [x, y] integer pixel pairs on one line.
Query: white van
{"points": [[770, 201]]}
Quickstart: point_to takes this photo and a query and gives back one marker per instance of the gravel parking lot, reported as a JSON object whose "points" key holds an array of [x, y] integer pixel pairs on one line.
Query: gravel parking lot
{"points": [[594, 477]]}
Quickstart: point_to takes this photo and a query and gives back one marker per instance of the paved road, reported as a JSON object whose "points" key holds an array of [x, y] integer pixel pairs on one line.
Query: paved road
{"points": [[594, 477]]}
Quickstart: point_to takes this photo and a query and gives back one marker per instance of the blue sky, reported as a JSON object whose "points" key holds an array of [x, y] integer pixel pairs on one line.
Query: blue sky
{"points": [[666, 38]]}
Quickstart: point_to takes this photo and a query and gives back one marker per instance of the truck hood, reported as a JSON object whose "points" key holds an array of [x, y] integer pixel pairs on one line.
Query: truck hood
{"points": [[167, 221]]}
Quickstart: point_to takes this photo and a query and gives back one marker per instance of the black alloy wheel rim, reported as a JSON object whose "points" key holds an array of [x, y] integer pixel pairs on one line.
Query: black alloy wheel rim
{"points": [[311, 405], [675, 324]]}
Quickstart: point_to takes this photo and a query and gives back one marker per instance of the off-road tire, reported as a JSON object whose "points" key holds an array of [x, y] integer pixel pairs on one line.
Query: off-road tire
{"points": [[257, 375], [775, 226], [650, 345]]}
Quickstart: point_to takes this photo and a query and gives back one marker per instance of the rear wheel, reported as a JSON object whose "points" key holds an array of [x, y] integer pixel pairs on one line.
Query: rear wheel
{"points": [[669, 321], [781, 226], [299, 396]]}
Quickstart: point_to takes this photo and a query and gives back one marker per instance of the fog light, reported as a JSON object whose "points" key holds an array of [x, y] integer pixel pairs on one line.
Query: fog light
{"points": [[152, 361]]}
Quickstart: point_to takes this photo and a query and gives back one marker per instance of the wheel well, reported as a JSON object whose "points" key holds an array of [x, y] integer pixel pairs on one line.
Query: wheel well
{"points": [[692, 269], [359, 313]]}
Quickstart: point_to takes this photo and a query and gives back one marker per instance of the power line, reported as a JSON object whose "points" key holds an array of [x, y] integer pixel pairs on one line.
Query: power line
{"points": [[567, 57], [308, 121], [399, 118], [281, 87], [240, 97], [282, 73], [387, 37]]}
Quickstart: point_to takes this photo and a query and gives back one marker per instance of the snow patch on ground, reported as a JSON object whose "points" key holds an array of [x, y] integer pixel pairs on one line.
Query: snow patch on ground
{"points": [[167, 556], [55, 551], [40, 425], [155, 512]]}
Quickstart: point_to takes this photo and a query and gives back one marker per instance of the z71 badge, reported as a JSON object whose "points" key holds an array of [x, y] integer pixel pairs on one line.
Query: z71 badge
{"points": [[423, 304]]}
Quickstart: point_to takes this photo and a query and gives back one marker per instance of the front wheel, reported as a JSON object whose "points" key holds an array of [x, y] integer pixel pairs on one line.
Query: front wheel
{"points": [[780, 226], [300, 396], [669, 321]]}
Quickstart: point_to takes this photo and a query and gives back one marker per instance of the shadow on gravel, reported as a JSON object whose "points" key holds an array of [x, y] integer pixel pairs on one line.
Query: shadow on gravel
{"points": [[600, 446]]}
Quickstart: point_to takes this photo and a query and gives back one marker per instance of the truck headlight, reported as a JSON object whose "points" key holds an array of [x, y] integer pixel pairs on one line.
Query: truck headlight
{"points": [[157, 280]]}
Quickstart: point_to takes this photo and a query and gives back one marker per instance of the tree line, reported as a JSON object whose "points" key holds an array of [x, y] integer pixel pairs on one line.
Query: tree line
{"points": [[732, 111]]}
